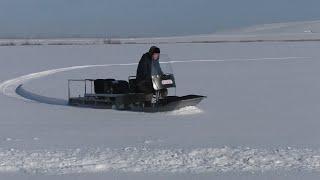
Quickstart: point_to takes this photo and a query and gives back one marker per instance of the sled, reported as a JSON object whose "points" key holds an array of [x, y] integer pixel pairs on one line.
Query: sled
{"points": [[123, 95]]}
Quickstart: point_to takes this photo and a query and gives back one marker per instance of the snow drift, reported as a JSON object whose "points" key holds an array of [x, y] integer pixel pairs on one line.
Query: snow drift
{"points": [[145, 160]]}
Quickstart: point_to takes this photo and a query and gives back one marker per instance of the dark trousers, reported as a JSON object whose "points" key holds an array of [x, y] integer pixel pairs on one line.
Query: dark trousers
{"points": [[145, 86]]}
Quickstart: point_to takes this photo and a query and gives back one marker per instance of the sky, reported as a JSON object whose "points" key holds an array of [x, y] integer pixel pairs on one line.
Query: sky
{"points": [[138, 18]]}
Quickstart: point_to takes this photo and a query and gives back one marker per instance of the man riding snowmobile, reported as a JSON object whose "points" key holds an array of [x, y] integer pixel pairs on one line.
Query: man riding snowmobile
{"points": [[145, 92], [148, 65]]}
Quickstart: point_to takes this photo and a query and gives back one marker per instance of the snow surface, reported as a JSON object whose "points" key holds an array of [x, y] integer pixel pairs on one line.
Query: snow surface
{"points": [[149, 160], [260, 120]]}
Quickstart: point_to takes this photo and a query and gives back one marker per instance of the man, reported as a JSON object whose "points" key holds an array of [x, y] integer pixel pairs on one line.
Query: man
{"points": [[148, 65]]}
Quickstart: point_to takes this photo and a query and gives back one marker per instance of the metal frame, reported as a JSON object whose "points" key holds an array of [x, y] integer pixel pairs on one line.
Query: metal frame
{"points": [[155, 80], [85, 85], [137, 101]]}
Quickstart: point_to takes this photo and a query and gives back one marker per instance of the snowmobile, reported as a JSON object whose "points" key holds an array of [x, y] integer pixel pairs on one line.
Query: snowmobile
{"points": [[123, 95]]}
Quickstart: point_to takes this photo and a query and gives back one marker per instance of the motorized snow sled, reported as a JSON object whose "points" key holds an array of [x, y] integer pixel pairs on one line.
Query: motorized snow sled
{"points": [[123, 95]]}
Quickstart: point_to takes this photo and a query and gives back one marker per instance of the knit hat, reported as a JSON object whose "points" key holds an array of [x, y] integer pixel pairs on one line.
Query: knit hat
{"points": [[154, 49]]}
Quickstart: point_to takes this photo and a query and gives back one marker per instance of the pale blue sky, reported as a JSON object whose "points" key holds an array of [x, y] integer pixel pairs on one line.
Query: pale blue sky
{"points": [[60, 18]]}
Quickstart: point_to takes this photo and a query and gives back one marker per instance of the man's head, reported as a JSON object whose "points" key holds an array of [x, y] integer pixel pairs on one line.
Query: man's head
{"points": [[154, 52]]}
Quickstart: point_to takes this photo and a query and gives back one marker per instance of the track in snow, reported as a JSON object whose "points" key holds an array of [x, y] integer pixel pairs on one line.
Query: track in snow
{"points": [[10, 87], [14, 87]]}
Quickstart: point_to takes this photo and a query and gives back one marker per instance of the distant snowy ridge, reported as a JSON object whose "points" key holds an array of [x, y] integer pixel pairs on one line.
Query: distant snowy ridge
{"points": [[290, 31], [210, 38], [306, 27], [132, 159]]}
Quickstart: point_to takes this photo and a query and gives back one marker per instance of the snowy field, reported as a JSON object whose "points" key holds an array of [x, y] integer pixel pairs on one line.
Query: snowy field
{"points": [[260, 120]]}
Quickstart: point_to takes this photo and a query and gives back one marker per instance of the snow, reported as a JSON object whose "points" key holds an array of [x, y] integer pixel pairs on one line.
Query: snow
{"points": [[131, 159], [14, 87], [260, 120]]}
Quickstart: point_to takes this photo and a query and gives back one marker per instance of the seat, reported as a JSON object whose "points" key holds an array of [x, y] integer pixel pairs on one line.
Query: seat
{"points": [[103, 86]]}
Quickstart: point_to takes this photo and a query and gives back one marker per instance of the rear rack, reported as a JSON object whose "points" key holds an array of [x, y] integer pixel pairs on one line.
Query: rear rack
{"points": [[86, 81], [90, 83]]}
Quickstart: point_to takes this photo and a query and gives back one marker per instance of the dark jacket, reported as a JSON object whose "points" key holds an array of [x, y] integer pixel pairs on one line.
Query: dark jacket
{"points": [[144, 68]]}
